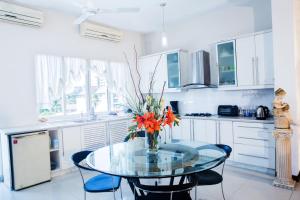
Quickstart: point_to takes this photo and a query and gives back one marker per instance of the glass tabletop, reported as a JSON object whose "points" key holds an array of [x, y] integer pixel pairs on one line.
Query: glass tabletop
{"points": [[131, 159]]}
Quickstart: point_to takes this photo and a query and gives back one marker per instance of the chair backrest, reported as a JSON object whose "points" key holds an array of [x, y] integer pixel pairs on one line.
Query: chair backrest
{"points": [[79, 157], [226, 148], [138, 134]]}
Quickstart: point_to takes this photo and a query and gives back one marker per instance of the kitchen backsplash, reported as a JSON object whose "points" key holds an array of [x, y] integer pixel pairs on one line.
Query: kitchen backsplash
{"points": [[207, 100]]}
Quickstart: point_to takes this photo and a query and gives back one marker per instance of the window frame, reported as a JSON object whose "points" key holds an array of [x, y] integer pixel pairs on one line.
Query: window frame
{"points": [[66, 116]]}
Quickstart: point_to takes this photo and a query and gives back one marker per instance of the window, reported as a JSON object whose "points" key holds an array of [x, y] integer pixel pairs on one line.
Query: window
{"points": [[49, 82], [98, 89], [75, 90], [70, 86]]}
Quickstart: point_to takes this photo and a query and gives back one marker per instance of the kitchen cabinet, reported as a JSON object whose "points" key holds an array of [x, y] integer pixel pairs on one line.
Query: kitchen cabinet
{"points": [[264, 59], [226, 62], [117, 131], [254, 144], [71, 143], [94, 136], [147, 67], [183, 131], [205, 131], [169, 70], [245, 52], [225, 131], [255, 61]]}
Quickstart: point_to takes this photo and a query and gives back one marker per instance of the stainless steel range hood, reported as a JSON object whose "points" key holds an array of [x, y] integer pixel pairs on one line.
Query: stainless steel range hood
{"points": [[197, 74]]}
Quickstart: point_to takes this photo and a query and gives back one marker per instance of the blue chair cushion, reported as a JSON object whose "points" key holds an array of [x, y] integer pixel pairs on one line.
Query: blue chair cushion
{"points": [[102, 183]]}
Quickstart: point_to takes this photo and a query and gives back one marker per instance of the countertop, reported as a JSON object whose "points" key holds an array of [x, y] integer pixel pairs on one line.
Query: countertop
{"points": [[56, 125], [73, 123], [236, 119]]}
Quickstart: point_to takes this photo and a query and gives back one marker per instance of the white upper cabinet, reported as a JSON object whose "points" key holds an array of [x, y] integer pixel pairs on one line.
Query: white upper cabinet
{"points": [[226, 62], [147, 66], [245, 53], [169, 69], [254, 62], [264, 59]]}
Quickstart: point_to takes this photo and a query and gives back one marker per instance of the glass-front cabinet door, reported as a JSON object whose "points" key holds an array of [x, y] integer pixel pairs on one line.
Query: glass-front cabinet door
{"points": [[173, 67], [226, 61]]}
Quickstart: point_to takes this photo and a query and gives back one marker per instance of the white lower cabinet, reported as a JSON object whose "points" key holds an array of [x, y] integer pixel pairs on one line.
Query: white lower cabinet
{"points": [[226, 135], [117, 131], [71, 143], [255, 155], [254, 144], [94, 136], [205, 131], [183, 131]]}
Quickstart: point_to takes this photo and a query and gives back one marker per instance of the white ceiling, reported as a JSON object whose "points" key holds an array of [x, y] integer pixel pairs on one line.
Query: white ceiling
{"points": [[148, 19]]}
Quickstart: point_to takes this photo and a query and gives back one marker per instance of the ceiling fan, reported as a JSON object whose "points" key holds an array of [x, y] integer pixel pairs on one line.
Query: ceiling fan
{"points": [[89, 10]]}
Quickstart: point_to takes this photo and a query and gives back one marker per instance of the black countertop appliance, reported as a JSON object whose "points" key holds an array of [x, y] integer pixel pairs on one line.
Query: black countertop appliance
{"points": [[228, 110]]}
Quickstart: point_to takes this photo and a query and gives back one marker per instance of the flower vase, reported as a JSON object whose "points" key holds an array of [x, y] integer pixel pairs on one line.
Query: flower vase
{"points": [[152, 142]]}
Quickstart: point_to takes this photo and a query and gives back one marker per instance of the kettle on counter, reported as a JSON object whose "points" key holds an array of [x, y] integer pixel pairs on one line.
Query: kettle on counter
{"points": [[262, 112]]}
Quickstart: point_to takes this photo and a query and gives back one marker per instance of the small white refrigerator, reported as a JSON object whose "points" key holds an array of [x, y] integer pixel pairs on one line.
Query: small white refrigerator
{"points": [[30, 159]]}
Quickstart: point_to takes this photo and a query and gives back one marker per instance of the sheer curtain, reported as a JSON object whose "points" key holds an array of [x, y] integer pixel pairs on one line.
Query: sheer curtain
{"points": [[49, 77], [75, 74], [118, 81], [98, 85]]}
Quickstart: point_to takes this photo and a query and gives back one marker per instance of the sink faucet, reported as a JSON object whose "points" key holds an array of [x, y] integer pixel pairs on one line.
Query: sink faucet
{"points": [[93, 115]]}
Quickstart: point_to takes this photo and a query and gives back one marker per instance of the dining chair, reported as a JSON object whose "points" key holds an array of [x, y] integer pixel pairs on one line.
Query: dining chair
{"points": [[99, 183], [211, 177], [138, 134], [163, 192]]}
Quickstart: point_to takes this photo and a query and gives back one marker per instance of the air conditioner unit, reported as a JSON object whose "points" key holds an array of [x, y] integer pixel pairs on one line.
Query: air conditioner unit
{"points": [[97, 31], [21, 15]]}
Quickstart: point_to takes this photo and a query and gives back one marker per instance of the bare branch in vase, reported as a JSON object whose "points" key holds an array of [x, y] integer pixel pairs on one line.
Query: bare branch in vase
{"points": [[153, 75], [131, 76], [139, 74]]}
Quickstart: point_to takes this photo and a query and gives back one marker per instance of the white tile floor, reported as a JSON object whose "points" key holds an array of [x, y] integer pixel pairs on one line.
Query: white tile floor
{"points": [[238, 185]]}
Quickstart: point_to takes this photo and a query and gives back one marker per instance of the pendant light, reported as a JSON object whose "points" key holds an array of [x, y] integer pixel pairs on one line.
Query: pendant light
{"points": [[164, 39]]}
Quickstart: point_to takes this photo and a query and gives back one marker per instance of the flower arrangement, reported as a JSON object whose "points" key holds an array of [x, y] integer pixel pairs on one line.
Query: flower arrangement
{"points": [[149, 113]]}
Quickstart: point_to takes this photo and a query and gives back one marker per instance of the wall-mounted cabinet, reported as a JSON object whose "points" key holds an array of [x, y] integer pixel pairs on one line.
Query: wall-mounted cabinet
{"points": [[247, 62], [255, 61], [226, 62], [170, 64]]}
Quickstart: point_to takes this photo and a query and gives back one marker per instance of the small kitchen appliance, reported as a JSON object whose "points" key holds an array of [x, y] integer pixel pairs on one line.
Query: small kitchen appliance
{"points": [[228, 110], [262, 112], [174, 105]]}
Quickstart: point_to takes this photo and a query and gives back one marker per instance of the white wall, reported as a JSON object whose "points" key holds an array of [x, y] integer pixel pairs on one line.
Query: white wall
{"points": [[286, 39], [202, 32], [207, 100], [58, 36]]}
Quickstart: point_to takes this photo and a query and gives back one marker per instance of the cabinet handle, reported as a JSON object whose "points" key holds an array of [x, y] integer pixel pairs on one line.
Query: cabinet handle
{"points": [[63, 145], [260, 139], [263, 157], [254, 127], [257, 72], [253, 70]]}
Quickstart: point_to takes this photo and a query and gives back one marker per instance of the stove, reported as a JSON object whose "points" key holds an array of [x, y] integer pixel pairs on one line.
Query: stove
{"points": [[198, 114]]}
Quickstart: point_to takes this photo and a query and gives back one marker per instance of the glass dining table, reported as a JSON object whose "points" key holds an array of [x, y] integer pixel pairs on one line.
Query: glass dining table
{"points": [[132, 161], [177, 158]]}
